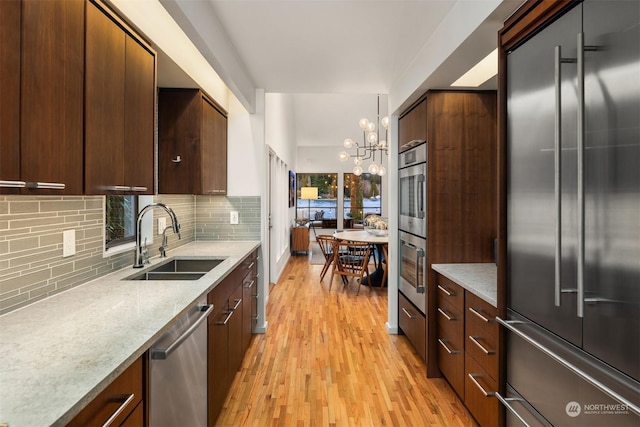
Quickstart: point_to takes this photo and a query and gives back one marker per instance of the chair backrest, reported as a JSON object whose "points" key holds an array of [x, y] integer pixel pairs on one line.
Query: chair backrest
{"points": [[326, 241], [352, 259]]}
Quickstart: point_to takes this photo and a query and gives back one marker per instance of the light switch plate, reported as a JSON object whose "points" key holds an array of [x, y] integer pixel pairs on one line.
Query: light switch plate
{"points": [[68, 243], [233, 217], [162, 224]]}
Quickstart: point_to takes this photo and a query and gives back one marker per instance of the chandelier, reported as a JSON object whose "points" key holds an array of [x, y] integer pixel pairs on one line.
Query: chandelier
{"points": [[370, 146]]}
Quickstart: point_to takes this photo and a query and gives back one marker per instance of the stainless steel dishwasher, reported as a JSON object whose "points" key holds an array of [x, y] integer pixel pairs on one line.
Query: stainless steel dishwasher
{"points": [[178, 372]]}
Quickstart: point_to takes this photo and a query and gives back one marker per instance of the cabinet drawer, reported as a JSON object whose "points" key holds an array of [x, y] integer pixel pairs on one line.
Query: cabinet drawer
{"points": [[451, 360], [481, 313], [450, 292], [451, 326], [479, 388], [482, 346], [413, 323], [121, 397]]}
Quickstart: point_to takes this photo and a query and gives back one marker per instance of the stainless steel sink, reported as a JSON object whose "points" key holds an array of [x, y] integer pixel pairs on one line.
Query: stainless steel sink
{"points": [[190, 265], [179, 269]]}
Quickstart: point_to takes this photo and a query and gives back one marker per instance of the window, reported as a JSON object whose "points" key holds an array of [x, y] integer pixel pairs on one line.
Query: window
{"points": [[362, 197], [120, 220], [326, 205]]}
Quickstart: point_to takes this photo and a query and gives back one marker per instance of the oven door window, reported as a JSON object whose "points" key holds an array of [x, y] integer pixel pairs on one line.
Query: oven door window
{"points": [[412, 265], [412, 191]]}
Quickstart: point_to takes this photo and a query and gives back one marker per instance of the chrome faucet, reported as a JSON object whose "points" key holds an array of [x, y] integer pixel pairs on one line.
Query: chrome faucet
{"points": [[140, 257]]}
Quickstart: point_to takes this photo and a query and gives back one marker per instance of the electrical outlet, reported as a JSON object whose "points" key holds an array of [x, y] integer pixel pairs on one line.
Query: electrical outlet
{"points": [[162, 224], [233, 217], [68, 243]]}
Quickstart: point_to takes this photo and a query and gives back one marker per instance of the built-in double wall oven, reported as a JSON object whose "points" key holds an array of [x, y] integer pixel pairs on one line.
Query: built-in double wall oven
{"points": [[412, 178]]}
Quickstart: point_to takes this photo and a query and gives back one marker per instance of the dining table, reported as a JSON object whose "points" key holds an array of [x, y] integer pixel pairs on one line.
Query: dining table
{"points": [[373, 279]]}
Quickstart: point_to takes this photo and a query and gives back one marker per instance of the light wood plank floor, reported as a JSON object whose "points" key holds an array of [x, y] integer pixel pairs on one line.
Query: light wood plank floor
{"points": [[327, 360]]}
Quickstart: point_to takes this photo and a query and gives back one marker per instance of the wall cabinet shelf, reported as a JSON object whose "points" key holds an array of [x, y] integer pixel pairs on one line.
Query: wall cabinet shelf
{"points": [[192, 144]]}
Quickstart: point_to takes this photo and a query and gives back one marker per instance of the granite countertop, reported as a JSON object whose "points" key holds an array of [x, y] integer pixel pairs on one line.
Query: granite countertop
{"points": [[56, 355], [479, 279]]}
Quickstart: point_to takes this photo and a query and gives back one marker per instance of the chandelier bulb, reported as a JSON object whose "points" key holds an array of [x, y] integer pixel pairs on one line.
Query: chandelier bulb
{"points": [[382, 144], [385, 122], [357, 161], [382, 170], [348, 143], [343, 156], [373, 168], [371, 127], [364, 124], [357, 170], [372, 137]]}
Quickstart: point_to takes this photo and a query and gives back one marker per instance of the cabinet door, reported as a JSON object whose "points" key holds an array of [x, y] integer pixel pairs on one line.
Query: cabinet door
{"points": [[412, 127], [104, 103], [10, 89], [214, 150], [139, 101], [179, 159], [218, 362], [236, 351], [51, 140]]}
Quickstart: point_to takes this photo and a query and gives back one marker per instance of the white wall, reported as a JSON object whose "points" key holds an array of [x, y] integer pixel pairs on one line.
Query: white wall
{"points": [[245, 151]]}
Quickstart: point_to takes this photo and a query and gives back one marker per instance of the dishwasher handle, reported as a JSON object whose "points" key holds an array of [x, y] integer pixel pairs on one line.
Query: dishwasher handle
{"points": [[163, 353]]}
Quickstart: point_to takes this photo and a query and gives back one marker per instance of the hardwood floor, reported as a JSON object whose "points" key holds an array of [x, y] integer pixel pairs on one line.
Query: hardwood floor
{"points": [[327, 360]]}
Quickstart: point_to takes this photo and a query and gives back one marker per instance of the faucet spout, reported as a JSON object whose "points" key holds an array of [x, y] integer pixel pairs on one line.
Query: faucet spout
{"points": [[175, 225]]}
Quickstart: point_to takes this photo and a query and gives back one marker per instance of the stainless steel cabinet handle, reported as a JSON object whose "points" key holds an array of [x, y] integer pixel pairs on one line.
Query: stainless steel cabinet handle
{"points": [[250, 285], [46, 185], [251, 265], [118, 411], [484, 350], [444, 313], [238, 302], [138, 189], [13, 184], [177, 159], [484, 392], [443, 344], [117, 188], [446, 291], [509, 324], [409, 315], [511, 409], [477, 313], [226, 319], [161, 353]]}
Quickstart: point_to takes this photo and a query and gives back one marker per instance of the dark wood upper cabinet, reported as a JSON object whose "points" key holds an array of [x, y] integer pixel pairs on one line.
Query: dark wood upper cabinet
{"points": [[10, 94], [119, 107], [412, 126], [192, 143], [42, 90]]}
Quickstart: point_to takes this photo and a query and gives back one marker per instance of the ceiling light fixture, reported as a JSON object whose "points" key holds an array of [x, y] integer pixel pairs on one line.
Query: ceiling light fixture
{"points": [[481, 72], [370, 145]]}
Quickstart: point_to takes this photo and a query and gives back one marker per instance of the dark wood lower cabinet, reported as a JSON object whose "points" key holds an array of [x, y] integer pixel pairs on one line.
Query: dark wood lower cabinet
{"points": [[413, 323], [228, 326], [125, 394]]}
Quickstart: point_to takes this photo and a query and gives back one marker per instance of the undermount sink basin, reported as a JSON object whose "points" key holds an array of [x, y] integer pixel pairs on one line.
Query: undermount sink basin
{"points": [[179, 269]]}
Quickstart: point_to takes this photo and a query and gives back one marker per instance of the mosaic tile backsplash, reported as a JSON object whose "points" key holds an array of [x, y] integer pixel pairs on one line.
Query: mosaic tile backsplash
{"points": [[31, 228]]}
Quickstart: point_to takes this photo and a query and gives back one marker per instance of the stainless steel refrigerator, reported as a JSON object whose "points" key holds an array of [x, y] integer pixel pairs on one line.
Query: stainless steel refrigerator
{"points": [[573, 220]]}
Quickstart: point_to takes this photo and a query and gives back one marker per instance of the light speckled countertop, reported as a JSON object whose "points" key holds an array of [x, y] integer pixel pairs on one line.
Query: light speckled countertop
{"points": [[480, 279], [57, 354]]}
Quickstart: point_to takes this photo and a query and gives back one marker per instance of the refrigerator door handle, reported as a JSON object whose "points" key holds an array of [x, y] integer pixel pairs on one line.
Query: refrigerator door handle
{"points": [[557, 168], [580, 182]]}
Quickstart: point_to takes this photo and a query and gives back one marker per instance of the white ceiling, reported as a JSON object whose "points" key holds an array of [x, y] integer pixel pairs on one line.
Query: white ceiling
{"points": [[334, 56]]}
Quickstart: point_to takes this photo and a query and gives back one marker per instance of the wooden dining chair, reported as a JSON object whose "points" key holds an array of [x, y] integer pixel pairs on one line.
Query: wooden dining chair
{"points": [[385, 264], [326, 243], [350, 260]]}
